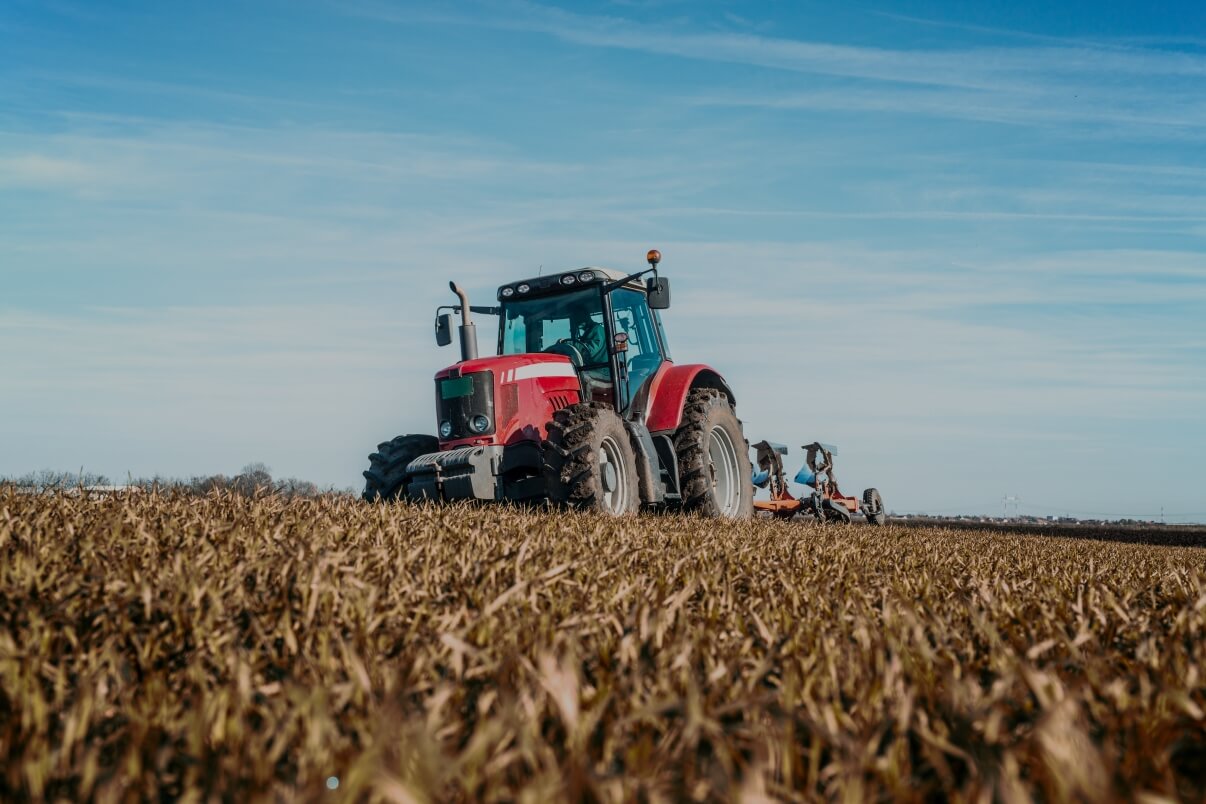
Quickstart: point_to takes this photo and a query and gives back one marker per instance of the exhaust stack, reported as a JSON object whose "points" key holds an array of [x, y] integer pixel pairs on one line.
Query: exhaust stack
{"points": [[467, 329]]}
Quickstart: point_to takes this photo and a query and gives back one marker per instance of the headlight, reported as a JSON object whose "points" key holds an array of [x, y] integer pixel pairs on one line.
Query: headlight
{"points": [[479, 423], [445, 429], [568, 279], [586, 276], [508, 292], [524, 288]]}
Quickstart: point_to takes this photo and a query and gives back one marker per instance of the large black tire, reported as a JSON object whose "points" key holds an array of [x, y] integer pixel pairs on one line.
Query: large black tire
{"points": [[873, 508], [713, 458], [589, 463], [385, 479]]}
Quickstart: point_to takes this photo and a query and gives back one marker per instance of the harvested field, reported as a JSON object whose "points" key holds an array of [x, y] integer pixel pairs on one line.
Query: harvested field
{"points": [[171, 647]]}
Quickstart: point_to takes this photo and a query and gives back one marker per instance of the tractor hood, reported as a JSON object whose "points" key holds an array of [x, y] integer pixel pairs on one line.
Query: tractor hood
{"points": [[526, 365]]}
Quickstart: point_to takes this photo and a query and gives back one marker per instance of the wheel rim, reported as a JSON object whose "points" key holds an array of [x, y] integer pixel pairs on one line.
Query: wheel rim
{"points": [[613, 472], [725, 471]]}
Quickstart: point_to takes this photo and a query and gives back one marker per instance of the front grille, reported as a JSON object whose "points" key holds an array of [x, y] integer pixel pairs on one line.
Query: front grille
{"points": [[458, 399], [450, 459]]}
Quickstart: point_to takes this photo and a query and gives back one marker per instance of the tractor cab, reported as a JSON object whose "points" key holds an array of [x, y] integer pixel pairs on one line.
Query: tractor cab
{"points": [[605, 322]]}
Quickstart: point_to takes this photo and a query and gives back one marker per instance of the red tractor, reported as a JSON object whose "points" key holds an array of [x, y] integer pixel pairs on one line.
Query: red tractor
{"points": [[581, 406]]}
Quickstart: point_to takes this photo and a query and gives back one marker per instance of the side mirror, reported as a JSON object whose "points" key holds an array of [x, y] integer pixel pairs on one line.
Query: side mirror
{"points": [[659, 293], [443, 328]]}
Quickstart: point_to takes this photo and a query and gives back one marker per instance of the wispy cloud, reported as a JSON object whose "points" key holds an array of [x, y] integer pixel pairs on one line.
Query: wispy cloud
{"points": [[984, 67], [1139, 111], [1068, 81], [930, 215], [996, 31], [38, 170]]}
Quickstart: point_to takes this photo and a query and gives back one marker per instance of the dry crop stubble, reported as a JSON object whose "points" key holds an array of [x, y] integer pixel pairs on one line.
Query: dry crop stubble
{"points": [[171, 646]]}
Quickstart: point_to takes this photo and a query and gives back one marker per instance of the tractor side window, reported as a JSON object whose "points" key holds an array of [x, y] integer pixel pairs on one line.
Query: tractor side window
{"points": [[631, 316], [626, 324]]}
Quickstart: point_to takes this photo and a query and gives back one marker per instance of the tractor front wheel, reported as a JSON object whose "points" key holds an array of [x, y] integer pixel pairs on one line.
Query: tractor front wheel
{"points": [[589, 463], [713, 458], [385, 479]]}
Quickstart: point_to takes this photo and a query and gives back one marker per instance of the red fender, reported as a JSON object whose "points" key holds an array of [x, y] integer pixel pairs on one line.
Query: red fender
{"points": [[669, 389]]}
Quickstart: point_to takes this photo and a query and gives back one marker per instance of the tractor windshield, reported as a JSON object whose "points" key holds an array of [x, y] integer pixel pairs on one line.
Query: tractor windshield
{"points": [[575, 318]]}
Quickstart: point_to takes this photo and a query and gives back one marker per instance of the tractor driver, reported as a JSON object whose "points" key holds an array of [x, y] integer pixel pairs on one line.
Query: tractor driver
{"points": [[589, 337], [587, 334]]}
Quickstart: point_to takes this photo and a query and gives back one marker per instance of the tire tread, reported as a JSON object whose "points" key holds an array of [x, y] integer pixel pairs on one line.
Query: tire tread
{"points": [[385, 479], [690, 448]]}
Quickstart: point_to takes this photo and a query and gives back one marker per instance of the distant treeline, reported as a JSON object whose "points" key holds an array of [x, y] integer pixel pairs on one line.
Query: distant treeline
{"points": [[254, 479]]}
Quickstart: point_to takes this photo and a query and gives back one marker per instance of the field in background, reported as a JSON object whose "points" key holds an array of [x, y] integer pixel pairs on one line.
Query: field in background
{"points": [[170, 646]]}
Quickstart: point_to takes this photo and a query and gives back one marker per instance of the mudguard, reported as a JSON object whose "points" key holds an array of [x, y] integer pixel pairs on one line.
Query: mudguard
{"points": [[669, 389]]}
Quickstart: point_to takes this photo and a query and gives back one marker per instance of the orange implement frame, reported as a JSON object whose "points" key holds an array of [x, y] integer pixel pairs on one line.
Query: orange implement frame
{"points": [[851, 503], [786, 506]]}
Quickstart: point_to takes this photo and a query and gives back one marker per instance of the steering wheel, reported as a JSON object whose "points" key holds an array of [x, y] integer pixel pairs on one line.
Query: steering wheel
{"points": [[569, 349]]}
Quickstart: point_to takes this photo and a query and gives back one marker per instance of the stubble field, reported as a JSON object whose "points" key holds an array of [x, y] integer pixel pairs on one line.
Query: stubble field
{"points": [[175, 647]]}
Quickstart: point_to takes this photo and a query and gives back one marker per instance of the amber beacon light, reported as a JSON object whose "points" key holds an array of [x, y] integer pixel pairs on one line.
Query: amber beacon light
{"points": [[653, 257]]}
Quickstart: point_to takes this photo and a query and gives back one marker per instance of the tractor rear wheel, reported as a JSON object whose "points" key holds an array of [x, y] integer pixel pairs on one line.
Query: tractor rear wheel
{"points": [[589, 463], [385, 479], [873, 507], [713, 458]]}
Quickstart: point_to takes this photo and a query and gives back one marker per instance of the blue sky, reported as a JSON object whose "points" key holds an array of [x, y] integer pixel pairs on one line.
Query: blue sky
{"points": [[966, 243]]}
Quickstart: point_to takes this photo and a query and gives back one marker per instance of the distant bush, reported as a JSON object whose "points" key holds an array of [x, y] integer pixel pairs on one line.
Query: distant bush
{"points": [[254, 480], [48, 479]]}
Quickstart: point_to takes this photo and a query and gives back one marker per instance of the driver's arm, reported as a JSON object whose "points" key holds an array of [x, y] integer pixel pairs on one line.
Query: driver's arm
{"points": [[592, 339]]}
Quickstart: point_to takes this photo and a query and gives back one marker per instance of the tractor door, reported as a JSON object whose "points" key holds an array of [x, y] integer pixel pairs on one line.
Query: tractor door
{"points": [[631, 316]]}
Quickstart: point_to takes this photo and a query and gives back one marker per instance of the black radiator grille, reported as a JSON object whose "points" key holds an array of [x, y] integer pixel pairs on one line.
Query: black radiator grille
{"points": [[459, 399]]}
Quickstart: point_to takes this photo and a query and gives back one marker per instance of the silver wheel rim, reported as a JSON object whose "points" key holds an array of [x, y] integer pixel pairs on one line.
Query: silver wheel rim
{"points": [[615, 500], [725, 471]]}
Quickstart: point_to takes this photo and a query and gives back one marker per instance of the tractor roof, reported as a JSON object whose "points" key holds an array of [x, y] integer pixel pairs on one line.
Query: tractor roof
{"points": [[611, 274], [561, 282]]}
